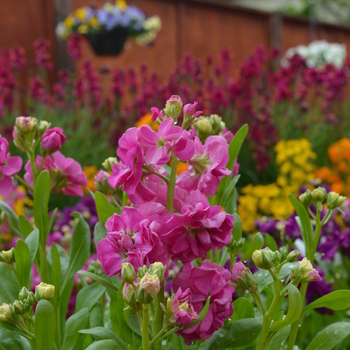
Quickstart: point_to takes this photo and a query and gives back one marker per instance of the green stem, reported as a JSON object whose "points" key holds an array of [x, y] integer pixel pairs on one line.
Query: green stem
{"points": [[268, 316], [158, 315], [144, 328], [124, 199], [157, 337], [171, 185], [24, 183], [31, 157], [58, 326], [41, 165], [162, 177], [43, 263]]}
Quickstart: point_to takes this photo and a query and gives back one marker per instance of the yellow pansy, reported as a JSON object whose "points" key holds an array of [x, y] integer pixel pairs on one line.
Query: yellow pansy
{"points": [[121, 4], [80, 13], [69, 21], [83, 29], [93, 22]]}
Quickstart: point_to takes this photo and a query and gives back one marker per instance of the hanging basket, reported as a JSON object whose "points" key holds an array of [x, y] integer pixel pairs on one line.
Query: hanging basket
{"points": [[109, 43]]}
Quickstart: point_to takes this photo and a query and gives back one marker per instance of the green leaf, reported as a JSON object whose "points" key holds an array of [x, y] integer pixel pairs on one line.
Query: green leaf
{"points": [[294, 310], [237, 228], [242, 308], [100, 232], [99, 279], [12, 217], [233, 151], [234, 334], [25, 226], [45, 325], [271, 243], [41, 204], [255, 244], [23, 264], [32, 241], [178, 342], [329, 337], [80, 248], [104, 209], [104, 344], [96, 316], [12, 341], [88, 296], [51, 220], [105, 333], [74, 324], [338, 300], [132, 321], [9, 285], [303, 222], [278, 339], [230, 190], [55, 271]]}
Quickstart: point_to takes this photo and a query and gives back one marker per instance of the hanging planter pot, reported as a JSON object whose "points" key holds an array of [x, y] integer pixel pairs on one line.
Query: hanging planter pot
{"points": [[109, 43]]}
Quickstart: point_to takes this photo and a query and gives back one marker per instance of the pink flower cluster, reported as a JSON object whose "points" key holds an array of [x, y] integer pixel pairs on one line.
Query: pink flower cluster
{"points": [[9, 166], [66, 174]]}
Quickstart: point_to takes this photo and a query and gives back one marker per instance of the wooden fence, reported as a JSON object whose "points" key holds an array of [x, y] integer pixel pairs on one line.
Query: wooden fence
{"points": [[199, 26]]}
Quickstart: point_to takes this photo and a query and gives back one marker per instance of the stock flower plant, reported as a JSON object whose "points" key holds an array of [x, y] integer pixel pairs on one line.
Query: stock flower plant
{"points": [[172, 267]]}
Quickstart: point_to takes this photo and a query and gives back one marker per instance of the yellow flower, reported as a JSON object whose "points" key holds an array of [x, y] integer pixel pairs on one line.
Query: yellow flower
{"points": [[93, 22], [69, 21], [83, 29], [80, 13], [121, 4]]}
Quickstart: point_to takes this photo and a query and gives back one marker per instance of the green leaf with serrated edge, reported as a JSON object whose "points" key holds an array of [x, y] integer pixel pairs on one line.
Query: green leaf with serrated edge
{"points": [[337, 300], [11, 217], [105, 333], [237, 228], [25, 226], [45, 325], [32, 241], [255, 244], [100, 232], [74, 324], [234, 334], [9, 285], [51, 220], [329, 337], [55, 271], [104, 344], [41, 204], [99, 279], [88, 296], [233, 152], [271, 243], [278, 339], [304, 224], [23, 265], [294, 309], [10, 340], [242, 308], [80, 248], [104, 209]]}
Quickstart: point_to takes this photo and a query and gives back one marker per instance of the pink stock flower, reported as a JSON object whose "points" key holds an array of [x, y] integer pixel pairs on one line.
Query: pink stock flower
{"points": [[207, 280], [190, 110], [156, 113], [53, 139], [66, 174], [132, 237], [207, 167], [9, 166], [128, 172], [182, 308], [169, 139], [238, 270], [198, 229]]}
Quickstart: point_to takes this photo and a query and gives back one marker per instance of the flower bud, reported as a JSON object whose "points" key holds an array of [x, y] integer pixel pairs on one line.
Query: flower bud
{"points": [[263, 258], [44, 291], [203, 128], [128, 273], [149, 287], [293, 256], [52, 140], [217, 124], [334, 200], [158, 269], [8, 256], [31, 300], [306, 198], [173, 107], [276, 257], [7, 314], [319, 194], [109, 162], [43, 126], [18, 307], [242, 277], [142, 271], [129, 296], [25, 125], [101, 183], [305, 270], [23, 294]]}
